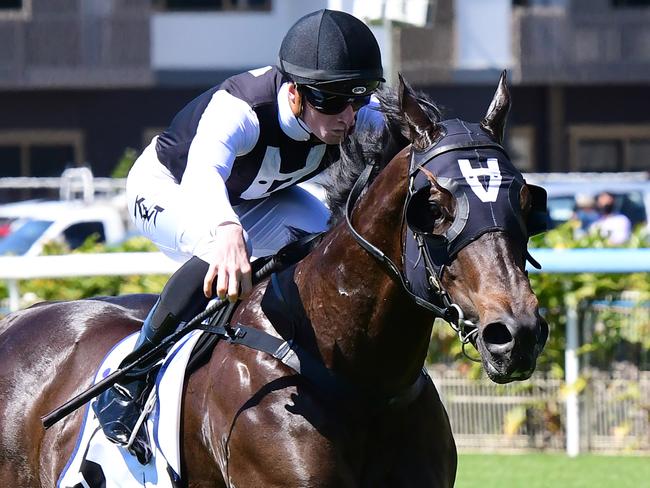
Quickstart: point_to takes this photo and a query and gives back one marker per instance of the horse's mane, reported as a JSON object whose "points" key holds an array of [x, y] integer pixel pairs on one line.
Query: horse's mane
{"points": [[367, 146]]}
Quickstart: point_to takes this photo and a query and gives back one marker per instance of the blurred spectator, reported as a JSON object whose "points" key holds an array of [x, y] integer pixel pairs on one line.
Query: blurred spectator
{"points": [[585, 213], [614, 226]]}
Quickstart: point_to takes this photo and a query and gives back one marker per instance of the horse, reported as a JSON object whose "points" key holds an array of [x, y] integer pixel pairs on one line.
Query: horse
{"points": [[251, 421]]}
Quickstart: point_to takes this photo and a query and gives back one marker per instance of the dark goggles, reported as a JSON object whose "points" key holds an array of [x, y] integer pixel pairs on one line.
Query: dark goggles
{"points": [[330, 103]]}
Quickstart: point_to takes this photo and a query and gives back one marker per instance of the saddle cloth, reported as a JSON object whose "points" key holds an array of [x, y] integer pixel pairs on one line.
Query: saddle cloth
{"points": [[98, 463]]}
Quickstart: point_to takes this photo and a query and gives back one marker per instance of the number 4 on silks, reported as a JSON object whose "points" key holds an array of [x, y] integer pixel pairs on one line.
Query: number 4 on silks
{"points": [[472, 177]]}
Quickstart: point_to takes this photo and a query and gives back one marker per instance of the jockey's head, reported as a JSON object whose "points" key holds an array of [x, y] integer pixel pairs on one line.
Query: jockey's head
{"points": [[334, 62]]}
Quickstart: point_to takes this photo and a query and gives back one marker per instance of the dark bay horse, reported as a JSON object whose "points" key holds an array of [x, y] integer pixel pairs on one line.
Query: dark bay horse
{"points": [[249, 421]]}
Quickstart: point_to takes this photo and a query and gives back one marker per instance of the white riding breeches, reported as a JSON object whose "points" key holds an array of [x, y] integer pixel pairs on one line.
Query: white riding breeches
{"points": [[162, 213]]}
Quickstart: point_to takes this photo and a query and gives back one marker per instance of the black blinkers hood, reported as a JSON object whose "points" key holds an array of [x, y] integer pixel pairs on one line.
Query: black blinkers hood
{"points": [[486, 187]]}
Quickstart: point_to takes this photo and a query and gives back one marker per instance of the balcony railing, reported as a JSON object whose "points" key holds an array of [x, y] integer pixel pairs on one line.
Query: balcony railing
{"points": [[104, 46], [606, 46]]}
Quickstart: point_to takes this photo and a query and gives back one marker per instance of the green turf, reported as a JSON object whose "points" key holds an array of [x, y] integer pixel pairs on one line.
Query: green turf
{"points": [[552, 471]]}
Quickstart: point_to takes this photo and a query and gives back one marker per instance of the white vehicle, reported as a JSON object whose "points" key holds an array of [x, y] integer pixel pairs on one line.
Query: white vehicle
{"points": [[32, 224]]}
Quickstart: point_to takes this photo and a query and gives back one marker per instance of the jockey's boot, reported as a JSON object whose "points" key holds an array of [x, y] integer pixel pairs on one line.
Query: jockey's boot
{"points": [[119, 408]]}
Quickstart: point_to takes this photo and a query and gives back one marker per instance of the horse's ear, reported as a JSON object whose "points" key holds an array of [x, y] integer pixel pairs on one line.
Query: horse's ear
{"points": [[423, 130], [495, 119]]}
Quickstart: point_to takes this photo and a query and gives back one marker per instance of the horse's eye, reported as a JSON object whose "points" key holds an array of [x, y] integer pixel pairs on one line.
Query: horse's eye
{"points": [[434, 210], [424, 212]]}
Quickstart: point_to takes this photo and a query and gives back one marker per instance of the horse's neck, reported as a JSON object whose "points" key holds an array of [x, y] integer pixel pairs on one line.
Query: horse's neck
{"points": [[366, 327]]}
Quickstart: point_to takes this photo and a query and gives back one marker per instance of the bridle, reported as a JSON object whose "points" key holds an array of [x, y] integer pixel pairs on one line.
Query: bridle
{"points": [[441, 304], [445, 309]]}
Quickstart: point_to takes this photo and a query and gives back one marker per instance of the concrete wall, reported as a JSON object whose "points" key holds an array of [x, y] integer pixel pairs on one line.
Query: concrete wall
{"points": [[223, 40]]}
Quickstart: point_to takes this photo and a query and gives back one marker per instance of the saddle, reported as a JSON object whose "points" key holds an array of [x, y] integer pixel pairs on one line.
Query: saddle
{"points": [[218, 326], [98, 462]]}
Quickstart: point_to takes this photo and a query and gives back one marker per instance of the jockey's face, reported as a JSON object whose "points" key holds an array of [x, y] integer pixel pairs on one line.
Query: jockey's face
{"points": [[331, 129]]}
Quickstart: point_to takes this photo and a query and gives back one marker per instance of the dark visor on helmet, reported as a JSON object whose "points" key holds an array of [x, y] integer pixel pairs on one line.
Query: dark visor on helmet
{"points": [[331, 104]]}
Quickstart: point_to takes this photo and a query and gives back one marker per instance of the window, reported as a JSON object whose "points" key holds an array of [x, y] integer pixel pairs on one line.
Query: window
{"points": [[520, 143], [609, 148], [21, 240], [600, 154], [15, 9], [50, 159], [630, 3], [76, 234], [639, 154], [11, 4], [11, 161], [39, 153], [213, 4], [35, 159]]}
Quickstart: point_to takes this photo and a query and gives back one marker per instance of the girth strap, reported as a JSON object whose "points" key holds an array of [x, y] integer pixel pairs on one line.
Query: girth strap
{"points": [[322, 378], [287, 352], [411, 393]]}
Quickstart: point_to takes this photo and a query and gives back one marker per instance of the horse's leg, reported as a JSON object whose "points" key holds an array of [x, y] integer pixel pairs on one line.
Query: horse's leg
{"points": [[248, 424], [199, 464], [418, 449], [287, 440], [286, 437]]}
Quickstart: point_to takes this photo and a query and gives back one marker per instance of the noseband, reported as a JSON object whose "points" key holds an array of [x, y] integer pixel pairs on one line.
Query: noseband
{"points": [[434, 251]]}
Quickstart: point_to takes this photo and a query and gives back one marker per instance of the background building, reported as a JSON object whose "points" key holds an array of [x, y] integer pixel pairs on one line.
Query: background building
{"points": [[82, 80]]}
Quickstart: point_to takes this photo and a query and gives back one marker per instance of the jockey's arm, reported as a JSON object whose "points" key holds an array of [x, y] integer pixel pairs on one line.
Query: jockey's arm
{"points": [[228, 128]]}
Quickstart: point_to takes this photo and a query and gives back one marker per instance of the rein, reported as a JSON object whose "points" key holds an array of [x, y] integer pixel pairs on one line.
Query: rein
{"points": [[449, 311]]}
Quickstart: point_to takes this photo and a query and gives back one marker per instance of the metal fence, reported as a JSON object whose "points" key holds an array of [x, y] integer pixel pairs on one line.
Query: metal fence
{"points": [[621, 330], [517, 416], [615, 414], [613, 393], [617, 402]]}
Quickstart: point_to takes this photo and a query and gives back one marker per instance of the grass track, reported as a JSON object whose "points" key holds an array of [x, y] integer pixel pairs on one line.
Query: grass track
{"points": [[552, 471]]}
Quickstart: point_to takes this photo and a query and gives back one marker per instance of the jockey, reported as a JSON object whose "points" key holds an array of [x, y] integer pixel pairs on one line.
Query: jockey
{"points": [[218, 186]]}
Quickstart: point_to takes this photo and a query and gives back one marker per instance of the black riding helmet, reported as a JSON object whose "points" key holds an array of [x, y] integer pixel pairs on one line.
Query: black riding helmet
{"points": [[334, 52]]}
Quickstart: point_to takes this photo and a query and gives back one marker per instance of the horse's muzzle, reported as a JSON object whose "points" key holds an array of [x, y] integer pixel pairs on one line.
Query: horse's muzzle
{"points": [[509, 348]]}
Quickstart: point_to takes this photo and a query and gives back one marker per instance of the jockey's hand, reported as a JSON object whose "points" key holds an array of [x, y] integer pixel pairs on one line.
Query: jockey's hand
{"points": [[230, 265]]}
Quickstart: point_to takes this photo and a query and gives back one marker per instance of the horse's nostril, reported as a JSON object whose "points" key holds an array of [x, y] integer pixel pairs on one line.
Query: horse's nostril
{"points": [[497, 338], [497, 333]]}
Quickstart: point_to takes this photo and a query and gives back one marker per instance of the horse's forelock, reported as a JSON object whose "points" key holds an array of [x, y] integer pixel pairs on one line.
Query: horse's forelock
{"points": [[367, 147]]}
